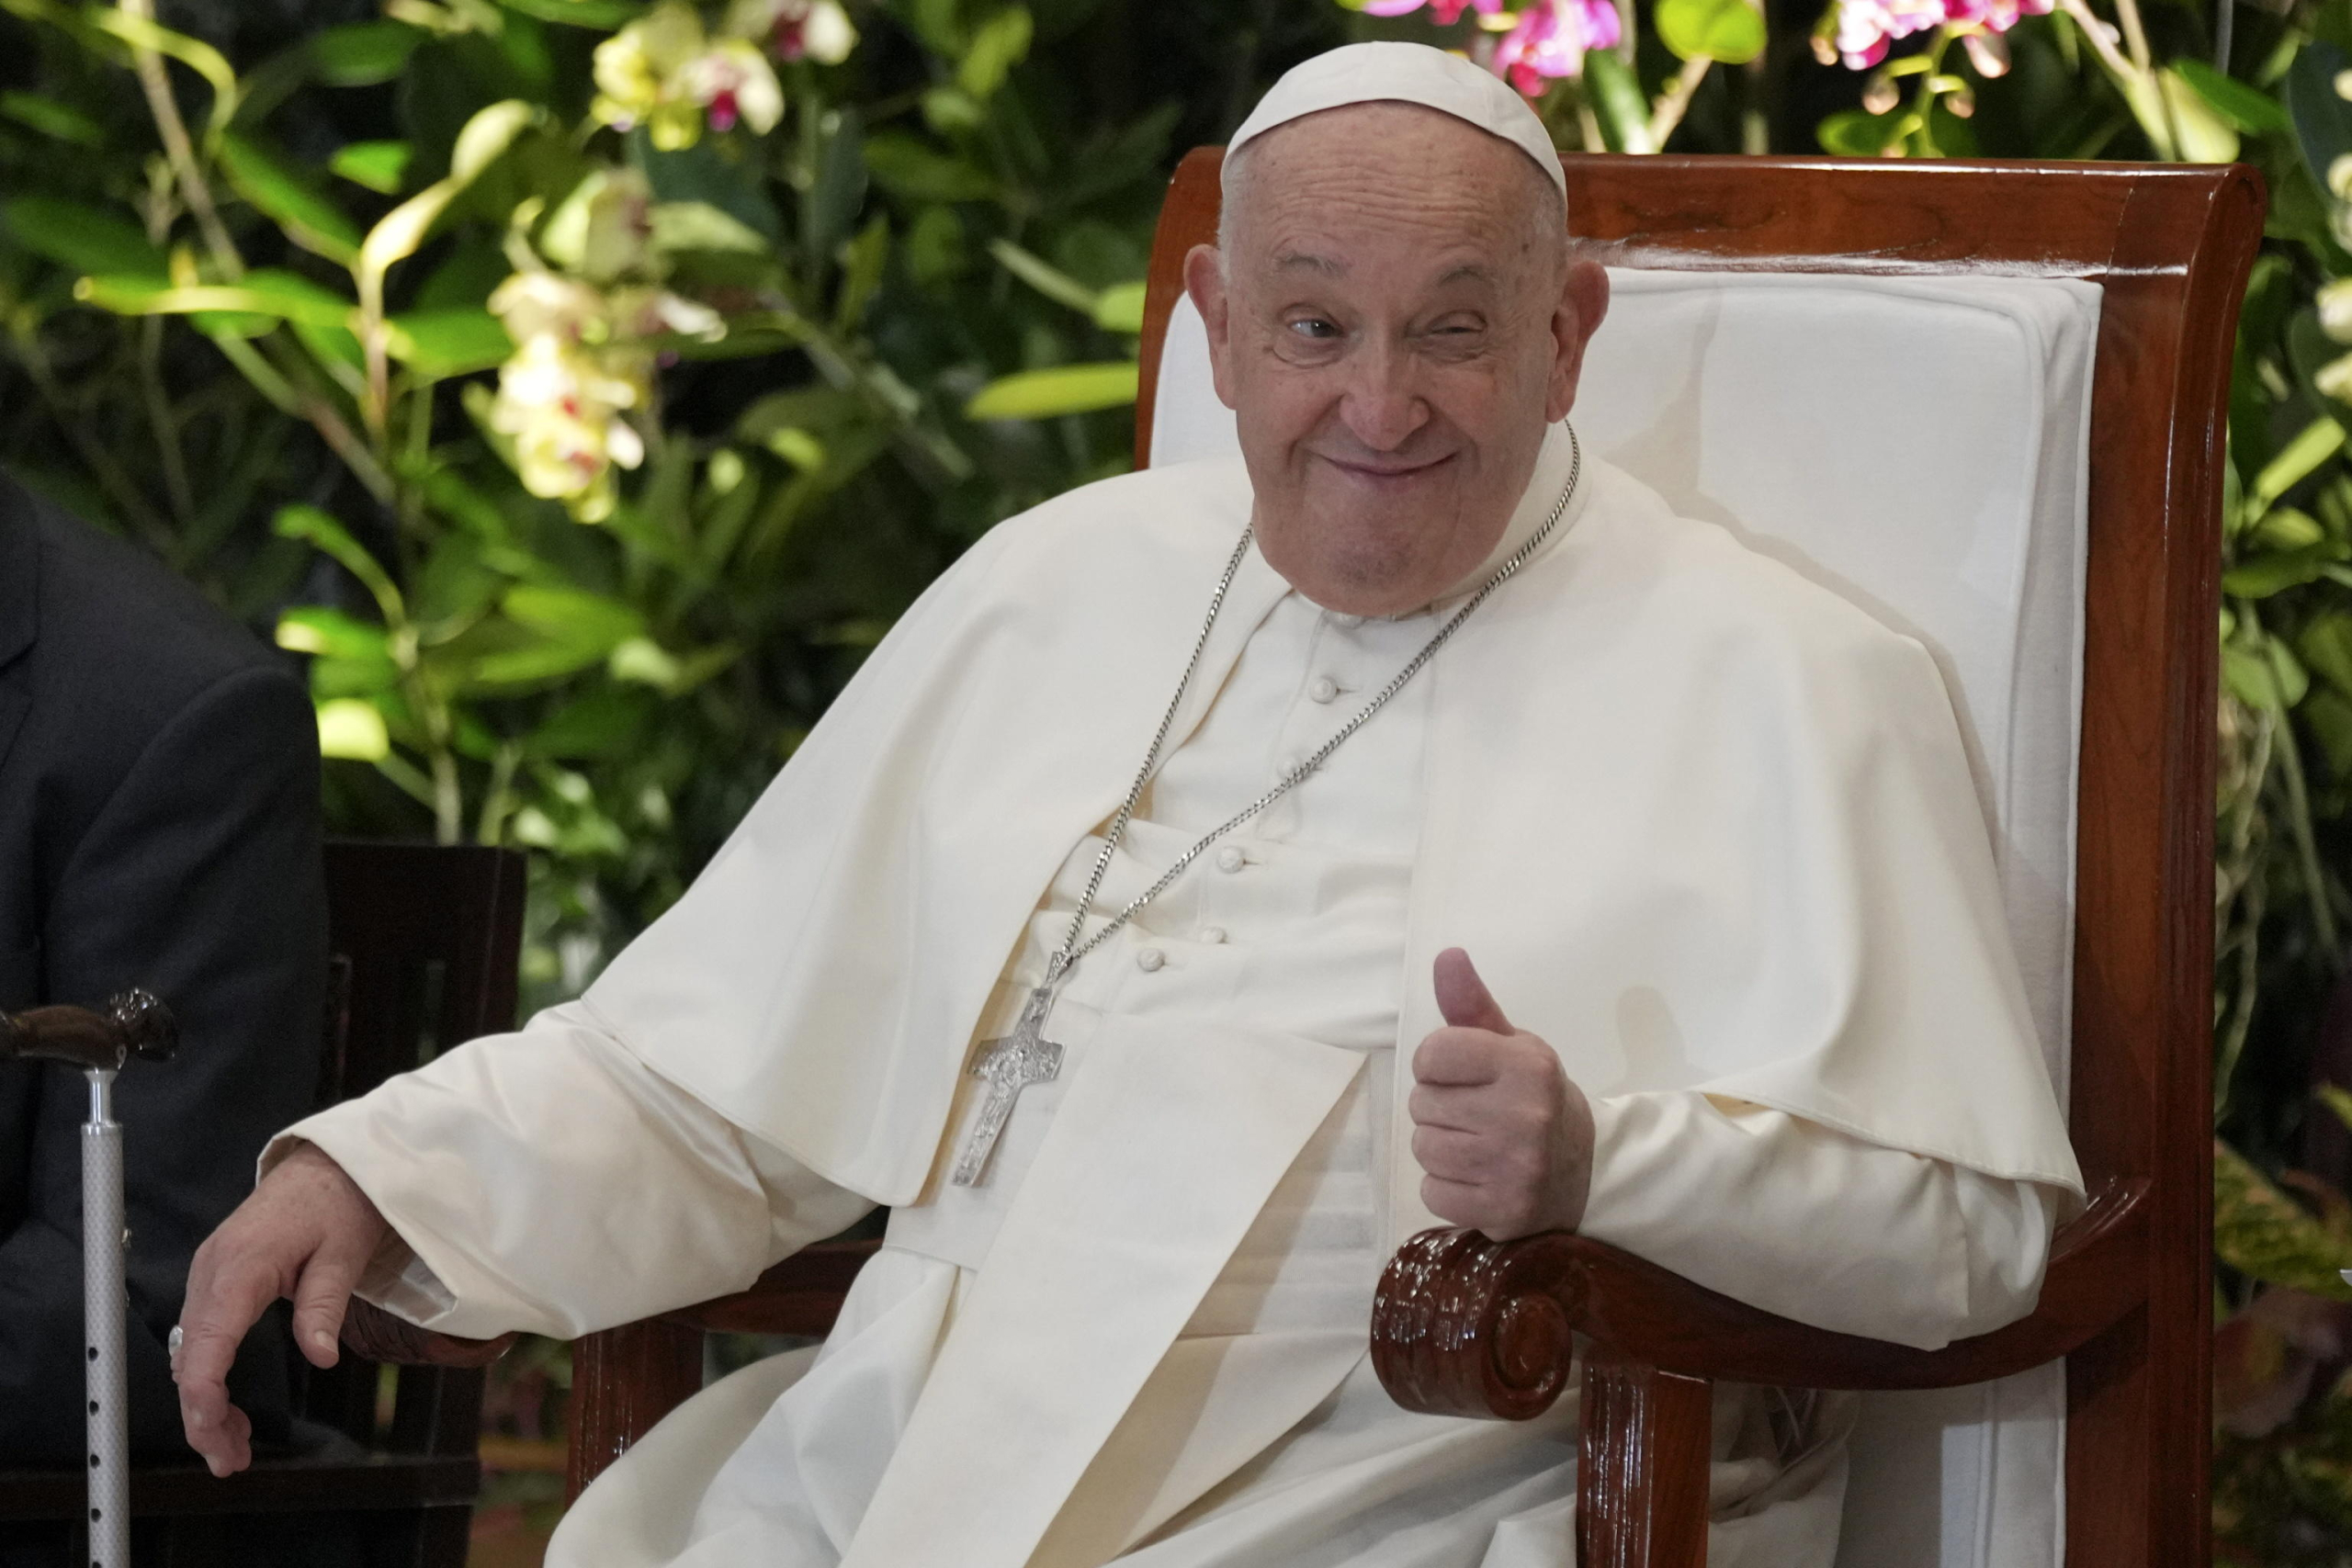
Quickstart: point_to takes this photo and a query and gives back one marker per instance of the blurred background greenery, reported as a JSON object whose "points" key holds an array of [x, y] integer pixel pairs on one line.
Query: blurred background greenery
{"points": [[579, 387]]}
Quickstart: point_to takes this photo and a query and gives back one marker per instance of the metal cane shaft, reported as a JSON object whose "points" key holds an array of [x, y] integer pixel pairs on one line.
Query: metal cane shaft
{"points": [[104, 1297]]}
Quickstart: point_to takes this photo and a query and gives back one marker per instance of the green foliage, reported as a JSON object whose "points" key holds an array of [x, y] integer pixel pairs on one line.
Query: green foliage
{"points": [[579, 430]]}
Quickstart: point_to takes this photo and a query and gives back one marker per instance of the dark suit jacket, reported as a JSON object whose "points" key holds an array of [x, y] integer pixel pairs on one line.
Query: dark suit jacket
{"points": [[159, 827]]}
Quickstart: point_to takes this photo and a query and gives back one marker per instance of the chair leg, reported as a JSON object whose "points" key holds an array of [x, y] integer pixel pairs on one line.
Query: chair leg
{"points": [[623, 1380], [1642, 1468]]}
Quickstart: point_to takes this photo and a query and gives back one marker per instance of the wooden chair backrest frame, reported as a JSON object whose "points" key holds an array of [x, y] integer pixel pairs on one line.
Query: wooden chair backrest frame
{"points": [[2171, 246]]}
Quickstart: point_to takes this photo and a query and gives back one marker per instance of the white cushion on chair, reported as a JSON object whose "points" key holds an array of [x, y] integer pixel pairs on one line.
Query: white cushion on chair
{"points": [[1920, 444]]}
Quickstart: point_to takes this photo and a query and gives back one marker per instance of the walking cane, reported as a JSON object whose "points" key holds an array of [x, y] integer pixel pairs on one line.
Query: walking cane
{"points": [[133, 1023]]}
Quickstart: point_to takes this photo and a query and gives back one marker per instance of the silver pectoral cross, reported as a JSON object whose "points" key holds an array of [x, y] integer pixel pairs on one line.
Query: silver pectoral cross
{"points": [[1011, 1065]]}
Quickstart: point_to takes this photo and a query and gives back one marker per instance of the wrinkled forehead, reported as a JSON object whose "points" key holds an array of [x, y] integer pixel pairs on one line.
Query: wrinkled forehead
{"points": [[1387, 176]]}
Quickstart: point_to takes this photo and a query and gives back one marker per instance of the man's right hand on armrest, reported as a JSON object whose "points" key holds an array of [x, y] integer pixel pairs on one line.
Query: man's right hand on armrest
{"points": [[306, 1234]]}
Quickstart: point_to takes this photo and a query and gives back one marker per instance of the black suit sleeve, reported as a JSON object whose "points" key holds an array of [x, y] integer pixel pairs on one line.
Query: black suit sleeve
{"points": [[200, 880]]}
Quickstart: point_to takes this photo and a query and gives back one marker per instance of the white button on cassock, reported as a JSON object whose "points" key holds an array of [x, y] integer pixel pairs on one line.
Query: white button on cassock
{"points": [[1348, 623], [1212, 934], [1150, 959], [1323, 690], [1229, 858]]}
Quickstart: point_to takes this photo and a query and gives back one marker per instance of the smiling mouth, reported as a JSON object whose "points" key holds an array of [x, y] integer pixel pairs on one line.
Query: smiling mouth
{"points": [[1387, 474]]}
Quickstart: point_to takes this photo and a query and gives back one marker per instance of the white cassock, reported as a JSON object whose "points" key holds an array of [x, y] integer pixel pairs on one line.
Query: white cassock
{"points": [[1703, 827]]}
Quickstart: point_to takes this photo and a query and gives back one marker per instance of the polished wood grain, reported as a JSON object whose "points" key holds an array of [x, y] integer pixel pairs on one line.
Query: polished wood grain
{"points": [[623, 1380], [1642, 1465], [2170, 247]]}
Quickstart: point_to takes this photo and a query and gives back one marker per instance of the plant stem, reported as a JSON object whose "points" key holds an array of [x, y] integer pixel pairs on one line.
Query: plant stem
{"points": [[155, 82], [498, 800], [1675, 101], [1755, 114], [2299, 822], [2135, 36], [163, 424]]}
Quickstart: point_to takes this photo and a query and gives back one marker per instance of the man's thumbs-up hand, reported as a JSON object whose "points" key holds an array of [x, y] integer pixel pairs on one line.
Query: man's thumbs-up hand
{"points": [[1505, 1138]]}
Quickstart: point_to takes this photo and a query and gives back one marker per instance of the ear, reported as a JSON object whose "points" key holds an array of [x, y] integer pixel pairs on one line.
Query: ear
{"points": [[1583, 304], [1204, 281]]}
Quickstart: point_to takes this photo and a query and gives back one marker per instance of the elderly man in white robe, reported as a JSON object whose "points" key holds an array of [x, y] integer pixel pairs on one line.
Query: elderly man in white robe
{"points": [[1511, 853]]}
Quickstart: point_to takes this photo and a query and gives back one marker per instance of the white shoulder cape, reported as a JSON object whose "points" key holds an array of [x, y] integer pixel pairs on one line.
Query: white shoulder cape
{"points": [[1701, 823]]}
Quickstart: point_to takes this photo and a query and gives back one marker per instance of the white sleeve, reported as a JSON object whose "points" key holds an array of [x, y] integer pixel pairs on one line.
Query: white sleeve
{"points": [[548, 1181], [1813, 1224]]}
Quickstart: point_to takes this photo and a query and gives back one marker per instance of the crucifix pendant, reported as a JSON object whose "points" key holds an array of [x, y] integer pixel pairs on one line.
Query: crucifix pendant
{"points": [[1011, 1065]]}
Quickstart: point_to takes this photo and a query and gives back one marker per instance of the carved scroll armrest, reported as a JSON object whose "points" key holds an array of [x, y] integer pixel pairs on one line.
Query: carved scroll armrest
{"points": [[1467, 1326]]}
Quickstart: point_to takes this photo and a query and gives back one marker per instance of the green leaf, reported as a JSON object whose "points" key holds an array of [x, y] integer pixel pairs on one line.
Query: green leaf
{"points": [[862, 263], [86, 239], [1001, 43], [362, 54], [2249, 678], [905, 167], [934, 22], [2326, 647], [1615, 94], [439, 344], [2290, 528], [1729, 31], [455, 586], [265, 291], [378, 165], [2248, 108], [1858, 133], [1065, 389], [348, 658], [1048, 280], [52, 118], [353, 729], [2323, 120], [607, 15], [2318, 441], [2205, 135], [699, 226], [330, 539], [606, 721], [398, 232], [329, 634], [2263, 1232], [2263, 575], [1119, 309], [286, 194], [574, 614]]}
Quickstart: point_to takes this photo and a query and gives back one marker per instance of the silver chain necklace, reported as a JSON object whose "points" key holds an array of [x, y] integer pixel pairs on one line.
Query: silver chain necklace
{"points": [[1025, 1057]]}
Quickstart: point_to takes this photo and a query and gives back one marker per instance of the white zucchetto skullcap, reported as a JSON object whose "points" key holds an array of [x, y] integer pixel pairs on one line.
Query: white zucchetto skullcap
{"points": [[1404, 73]]}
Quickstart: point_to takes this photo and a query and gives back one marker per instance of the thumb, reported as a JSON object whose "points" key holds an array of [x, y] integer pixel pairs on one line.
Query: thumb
{"points": [[1463, 998], [321, 1297]]}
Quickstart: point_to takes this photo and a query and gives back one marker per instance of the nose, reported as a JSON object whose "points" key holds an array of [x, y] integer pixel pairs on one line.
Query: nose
{"points": [[1383, 407]]}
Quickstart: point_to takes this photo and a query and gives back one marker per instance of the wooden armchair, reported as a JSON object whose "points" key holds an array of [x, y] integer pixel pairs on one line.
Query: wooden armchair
{"points": [[422, 943], [1467, 1326]]}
